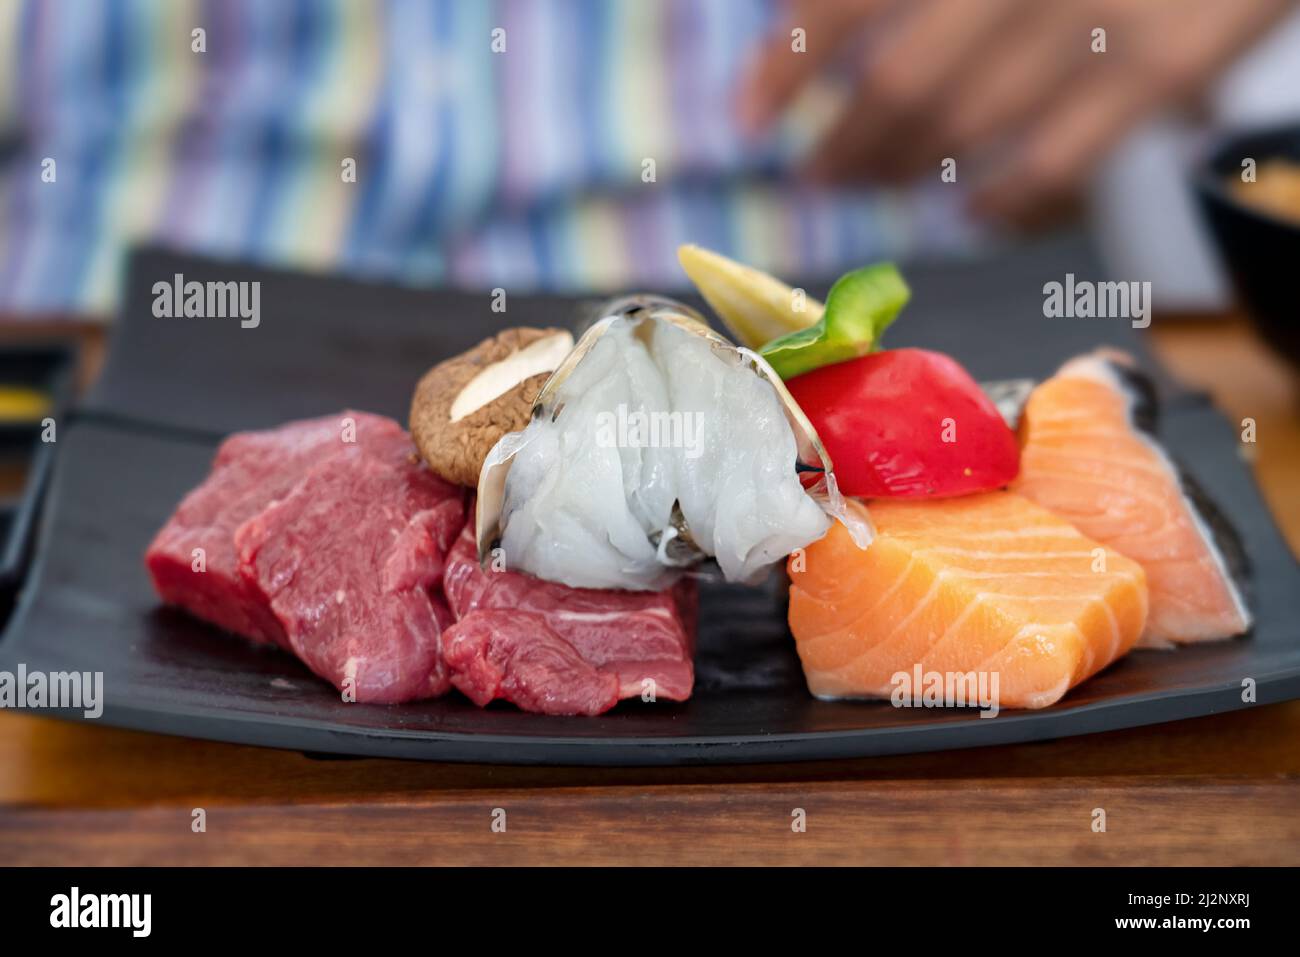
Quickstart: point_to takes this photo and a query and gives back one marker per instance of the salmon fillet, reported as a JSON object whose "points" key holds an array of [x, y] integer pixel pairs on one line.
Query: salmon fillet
{"points": [[1087, 456], [985, 583]]}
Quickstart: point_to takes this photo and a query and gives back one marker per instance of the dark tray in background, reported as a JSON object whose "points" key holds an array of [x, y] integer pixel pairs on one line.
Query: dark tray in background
{"points": [[173, 386], [47, 369]]}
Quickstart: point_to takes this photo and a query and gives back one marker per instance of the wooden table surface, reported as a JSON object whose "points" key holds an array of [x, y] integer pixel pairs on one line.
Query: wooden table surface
{"points": [[1216, 790]]}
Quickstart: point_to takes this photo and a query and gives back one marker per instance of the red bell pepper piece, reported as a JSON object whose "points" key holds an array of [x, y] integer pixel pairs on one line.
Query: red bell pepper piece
{"points": [[907, 423]]}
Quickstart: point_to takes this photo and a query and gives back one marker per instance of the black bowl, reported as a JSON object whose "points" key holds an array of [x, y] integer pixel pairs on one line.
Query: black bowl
{"points": [[1261, 249]]}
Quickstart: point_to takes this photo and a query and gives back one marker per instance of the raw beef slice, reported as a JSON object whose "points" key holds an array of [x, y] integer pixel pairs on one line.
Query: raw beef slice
{"points": [[560, 650], [342, 549], [251, 469], [516, 656], [347, 562]]}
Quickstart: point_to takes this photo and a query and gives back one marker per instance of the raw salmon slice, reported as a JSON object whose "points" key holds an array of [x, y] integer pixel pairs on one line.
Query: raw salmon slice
{"points": [[1087, 454], [987, 583]]}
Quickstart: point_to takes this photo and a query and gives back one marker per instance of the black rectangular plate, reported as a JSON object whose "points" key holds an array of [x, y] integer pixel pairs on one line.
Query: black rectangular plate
{"points": [[150, 432]]}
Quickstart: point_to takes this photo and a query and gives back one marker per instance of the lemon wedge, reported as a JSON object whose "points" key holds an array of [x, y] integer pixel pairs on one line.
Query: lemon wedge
{"points": [[754, 306]]}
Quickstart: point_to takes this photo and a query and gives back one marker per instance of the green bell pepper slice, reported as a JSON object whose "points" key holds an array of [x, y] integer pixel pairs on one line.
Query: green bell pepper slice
{"points": [[860, 306]]}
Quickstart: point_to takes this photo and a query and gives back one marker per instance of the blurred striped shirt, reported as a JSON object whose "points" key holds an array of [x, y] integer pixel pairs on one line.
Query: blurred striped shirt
{"points": [[525, 166]]}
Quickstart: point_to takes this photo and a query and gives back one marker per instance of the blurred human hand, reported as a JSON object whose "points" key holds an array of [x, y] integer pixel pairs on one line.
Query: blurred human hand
{"points": [[1013, 85]]}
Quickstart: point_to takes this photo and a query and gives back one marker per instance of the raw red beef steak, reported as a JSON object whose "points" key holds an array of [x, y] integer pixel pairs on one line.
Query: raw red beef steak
{"points": [[516, 656], [563, 650], [332, 549], [346, 561], [251, 470], [347, 554]]}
